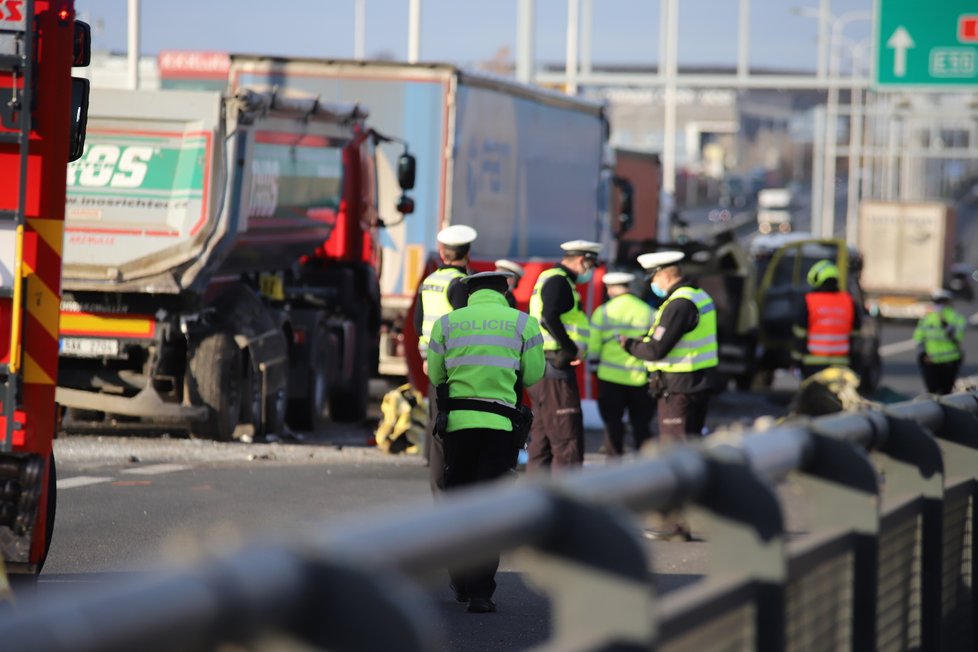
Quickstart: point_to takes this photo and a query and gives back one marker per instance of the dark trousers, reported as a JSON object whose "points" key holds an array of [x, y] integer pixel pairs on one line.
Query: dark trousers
{"points": [[614, 400], [939, 378], [681, 415], [473, 456], [434, 450], [557, 435]]}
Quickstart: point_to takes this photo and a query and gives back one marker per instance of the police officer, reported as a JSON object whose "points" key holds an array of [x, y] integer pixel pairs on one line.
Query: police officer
{"points": [[622, 378], [481, 357], [681, 347], [441, 293], [516, 273], [557, 438], [826, 322], [940, 338]]}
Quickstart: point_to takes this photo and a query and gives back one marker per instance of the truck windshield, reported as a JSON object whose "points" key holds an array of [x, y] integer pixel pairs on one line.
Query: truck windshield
{"points": [[296, 177]]}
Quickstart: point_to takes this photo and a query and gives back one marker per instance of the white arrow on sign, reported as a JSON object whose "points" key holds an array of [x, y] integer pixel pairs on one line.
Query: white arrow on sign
{"points": [[900, 42]]}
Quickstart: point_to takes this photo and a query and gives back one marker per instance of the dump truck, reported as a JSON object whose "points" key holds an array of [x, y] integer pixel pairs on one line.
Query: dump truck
{"points": [[908, 254], [526, 167], [220, 264]]}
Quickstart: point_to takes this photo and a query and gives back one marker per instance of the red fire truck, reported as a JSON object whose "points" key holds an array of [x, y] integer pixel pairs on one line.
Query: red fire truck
{"points": [[40, 41]]}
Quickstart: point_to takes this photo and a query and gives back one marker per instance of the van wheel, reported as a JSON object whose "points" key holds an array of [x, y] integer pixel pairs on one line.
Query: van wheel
{"points": [[215, 382]]}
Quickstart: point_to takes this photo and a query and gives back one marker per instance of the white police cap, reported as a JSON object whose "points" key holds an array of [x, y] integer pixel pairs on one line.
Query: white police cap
{"points": [[510, 266], [941, 295], [618, 278], [457, 235], [656, 261], [581, 248]]}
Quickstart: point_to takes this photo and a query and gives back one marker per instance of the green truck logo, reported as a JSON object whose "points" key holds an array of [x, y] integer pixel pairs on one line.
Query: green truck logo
{"points": [[111, 166]]}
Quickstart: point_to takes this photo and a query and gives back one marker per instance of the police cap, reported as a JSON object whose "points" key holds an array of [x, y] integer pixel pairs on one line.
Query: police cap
{"points": [[487, 281], [457, 235], [618, 278], [653, 262], [509, 266], [581, 248]]}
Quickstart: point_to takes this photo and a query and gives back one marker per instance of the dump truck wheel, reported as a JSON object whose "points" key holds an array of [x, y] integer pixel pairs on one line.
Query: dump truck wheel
{"points": [[348, 401], [215, 382], [311, 412]]}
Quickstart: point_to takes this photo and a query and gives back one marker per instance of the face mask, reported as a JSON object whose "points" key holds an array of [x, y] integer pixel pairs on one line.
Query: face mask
{"points": [[584, 277], [657, 291]]}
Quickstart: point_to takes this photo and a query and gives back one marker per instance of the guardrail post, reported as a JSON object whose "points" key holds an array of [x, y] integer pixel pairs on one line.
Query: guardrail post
{"points": [[912, 464], [744, 525], [595, 571], [958, 439], [841, 484]]}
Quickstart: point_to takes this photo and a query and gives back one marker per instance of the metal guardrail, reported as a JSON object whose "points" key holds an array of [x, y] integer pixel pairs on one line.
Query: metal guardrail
{"points": [[878, 570]]}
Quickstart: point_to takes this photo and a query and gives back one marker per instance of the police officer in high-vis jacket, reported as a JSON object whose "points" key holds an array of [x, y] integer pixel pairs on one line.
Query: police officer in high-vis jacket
{"points": [[622, 378], [481, 357], [681, 348], [557, 438], [441, 293], [940, 344]]}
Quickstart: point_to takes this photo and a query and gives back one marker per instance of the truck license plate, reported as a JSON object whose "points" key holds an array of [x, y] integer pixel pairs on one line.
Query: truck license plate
{"points": [[88, 347]]}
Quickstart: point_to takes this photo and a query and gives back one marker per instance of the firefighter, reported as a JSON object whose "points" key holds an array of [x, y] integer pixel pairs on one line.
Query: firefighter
{"points": [[681, 348], [557, 438], [516, 273], [622, 378], [441, 293], [826, 322], [940, 339], [481, 357]]}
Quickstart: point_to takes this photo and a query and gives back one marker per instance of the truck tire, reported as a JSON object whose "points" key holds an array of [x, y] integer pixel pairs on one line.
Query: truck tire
{"points": [[52, 508], [310, 412], [215, 382], [348, 401]]}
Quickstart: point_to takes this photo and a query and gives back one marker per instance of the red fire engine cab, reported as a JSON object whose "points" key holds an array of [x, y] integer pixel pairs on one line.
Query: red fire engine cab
{"points": [[42, 128]]}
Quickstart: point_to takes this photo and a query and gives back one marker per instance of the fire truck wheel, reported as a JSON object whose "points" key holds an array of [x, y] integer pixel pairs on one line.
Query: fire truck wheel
{"points": [[215, 382], [52, 508]]}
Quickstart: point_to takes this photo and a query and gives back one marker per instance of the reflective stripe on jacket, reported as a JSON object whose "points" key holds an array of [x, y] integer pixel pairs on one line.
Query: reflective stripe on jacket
{"points": [[624, 315], [939, 334], [696, 349], [830, 321], [478, 350], [434, 301], [575, 321]]}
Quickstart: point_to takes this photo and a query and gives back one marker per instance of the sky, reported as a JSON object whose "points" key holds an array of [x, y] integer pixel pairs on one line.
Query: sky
{"points": [[467, 32]]}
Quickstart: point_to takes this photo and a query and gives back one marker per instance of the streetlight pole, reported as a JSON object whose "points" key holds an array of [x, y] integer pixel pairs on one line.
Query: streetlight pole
{"points": [[573, 36], [525, 10], [359, 30], [133, 45], [832, 119], [414, 31], [856, 119], [669, 112]]}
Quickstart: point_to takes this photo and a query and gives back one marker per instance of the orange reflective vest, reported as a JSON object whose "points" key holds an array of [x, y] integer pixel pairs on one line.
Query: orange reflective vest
{"points": [[830, 319]]}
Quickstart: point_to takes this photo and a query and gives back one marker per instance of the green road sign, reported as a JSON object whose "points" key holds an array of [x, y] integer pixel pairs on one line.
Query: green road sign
{"points": [[926, 45]]}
